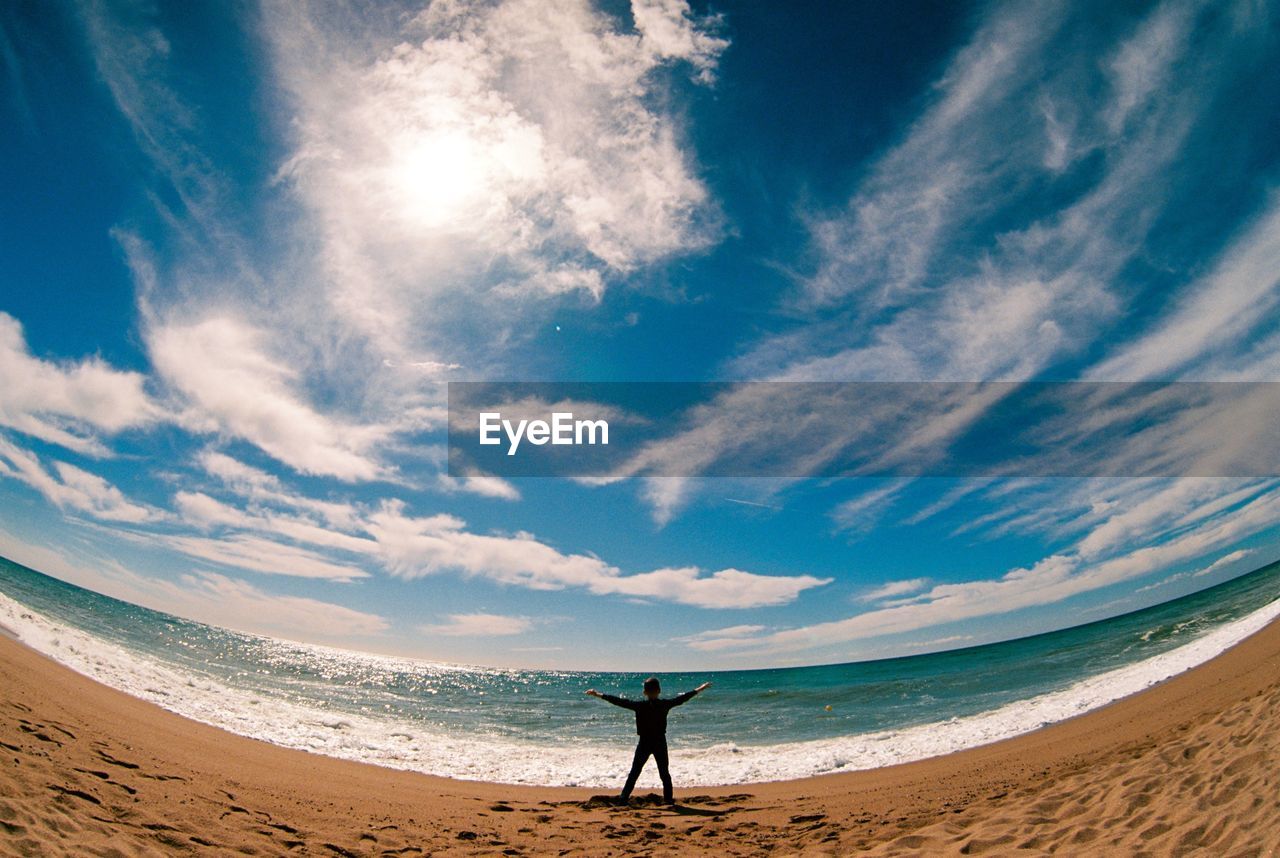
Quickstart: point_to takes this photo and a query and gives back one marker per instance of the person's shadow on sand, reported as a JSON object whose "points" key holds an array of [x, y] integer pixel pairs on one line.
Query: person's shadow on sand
{"points": [[717, 806]]}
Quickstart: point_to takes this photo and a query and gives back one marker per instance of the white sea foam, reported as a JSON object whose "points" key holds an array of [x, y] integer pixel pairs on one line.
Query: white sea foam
{"points": [[404, 745]]}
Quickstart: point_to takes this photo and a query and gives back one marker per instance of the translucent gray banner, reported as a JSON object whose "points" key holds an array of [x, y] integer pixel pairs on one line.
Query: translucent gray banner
{"points": [[615, 430]]}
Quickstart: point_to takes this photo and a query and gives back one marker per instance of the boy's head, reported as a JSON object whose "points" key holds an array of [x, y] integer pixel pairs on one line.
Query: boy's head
{"points": [[652, 688]]}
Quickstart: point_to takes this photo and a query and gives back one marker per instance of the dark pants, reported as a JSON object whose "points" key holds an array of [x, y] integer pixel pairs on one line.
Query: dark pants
{"points": [[657, 747]]}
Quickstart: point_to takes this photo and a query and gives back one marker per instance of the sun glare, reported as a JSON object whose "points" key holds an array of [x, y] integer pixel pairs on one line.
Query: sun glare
{"points": [[441, 180], [458, 180]]}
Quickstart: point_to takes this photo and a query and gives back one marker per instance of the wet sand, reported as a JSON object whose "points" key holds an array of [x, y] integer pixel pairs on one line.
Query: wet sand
{"points": [[1187, 767]]}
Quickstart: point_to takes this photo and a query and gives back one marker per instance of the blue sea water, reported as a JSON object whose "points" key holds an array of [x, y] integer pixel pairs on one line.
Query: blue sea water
{"points": [[536, 726]]}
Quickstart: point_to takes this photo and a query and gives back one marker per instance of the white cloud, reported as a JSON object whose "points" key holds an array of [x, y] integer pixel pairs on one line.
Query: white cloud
{"points": [[245, 478], [72, 487], [886, 241], [1223, 561], [489, 487], [1149, 515], [206, 512], [479, 625], [259, 486], [741, 631], [222, 366], [93, 494], [132, 55], [894, 588], [799, 430], [414, 547], [65, 403], [666, 496], [236, 603], [669, 30], [1115, 508], [411, 547], [1142, 65], [1163, 582], [513, 147], [724, 588], [1217, 311], [956, 257], [242, 551], [949, 641], [861, 512]]}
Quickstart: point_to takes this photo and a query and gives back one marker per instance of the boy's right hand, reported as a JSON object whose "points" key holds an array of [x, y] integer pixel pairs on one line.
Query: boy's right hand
{"points": [[593, 693]]}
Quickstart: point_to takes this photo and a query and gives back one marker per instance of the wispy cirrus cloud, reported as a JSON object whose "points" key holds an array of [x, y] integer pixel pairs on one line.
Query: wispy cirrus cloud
{"points": [[1222, 562], [1207, 333], [889, 239], [1048, 581], [956, 258], [861, 512], [132, 56]]}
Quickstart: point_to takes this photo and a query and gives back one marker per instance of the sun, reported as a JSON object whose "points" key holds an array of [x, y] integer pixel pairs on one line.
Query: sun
{"points": [[442, 179], [465, 177]]}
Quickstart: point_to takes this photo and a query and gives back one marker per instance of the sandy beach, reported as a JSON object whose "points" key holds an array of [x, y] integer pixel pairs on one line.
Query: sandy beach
{"points": [[1187, 767]]}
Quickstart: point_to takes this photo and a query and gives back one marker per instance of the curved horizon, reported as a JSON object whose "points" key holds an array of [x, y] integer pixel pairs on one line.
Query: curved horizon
{"points": [[691, 670]]}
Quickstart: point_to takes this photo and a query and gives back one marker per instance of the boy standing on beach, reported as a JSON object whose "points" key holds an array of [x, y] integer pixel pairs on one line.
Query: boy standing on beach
{"points": [[651, 726]]}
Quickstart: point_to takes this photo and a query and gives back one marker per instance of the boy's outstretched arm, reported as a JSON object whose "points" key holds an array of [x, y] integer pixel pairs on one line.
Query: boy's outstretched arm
{"points": [[609, 698], [689, 695]]}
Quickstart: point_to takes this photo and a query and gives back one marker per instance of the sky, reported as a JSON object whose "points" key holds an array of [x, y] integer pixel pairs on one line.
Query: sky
{"points": [[244, 246]]}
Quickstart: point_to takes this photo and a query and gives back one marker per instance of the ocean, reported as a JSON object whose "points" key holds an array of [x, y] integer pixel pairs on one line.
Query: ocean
{"points": [[537, 726]]}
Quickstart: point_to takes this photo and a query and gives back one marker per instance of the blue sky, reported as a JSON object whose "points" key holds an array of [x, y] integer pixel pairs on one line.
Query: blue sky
{"points": [[244, 245]]}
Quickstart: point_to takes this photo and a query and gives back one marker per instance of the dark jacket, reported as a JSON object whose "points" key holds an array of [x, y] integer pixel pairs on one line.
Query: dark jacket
{"points": [[651, 715]]}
